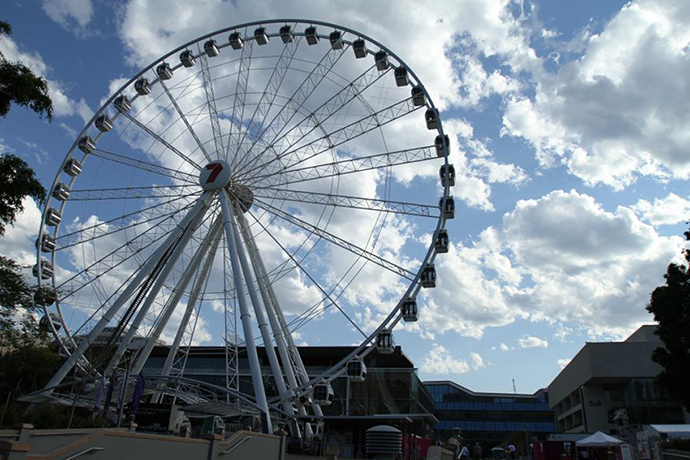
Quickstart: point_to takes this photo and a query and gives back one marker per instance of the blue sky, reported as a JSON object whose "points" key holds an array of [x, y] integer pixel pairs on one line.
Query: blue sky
{"points": [[569, 125]]}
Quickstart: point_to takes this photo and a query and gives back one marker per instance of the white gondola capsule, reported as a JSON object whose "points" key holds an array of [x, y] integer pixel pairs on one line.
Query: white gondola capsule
{"points": [[381, 60], [187, 58], [286, 34], [211, 48], [356, 370], [442, 144], [385, 342], [336, 39], [408, 309], [142, 86], [322, 393], [447, 174], [360, 48], [447, 207], [61, 191], [312, 37], [164, 71], [418, 96], [46, 320], [260, 36], [429, 276], [431, 117], [401, 76], [72, 167], [86, 144], [46, 270], [104, 123], [235, 40], [441, 241], [53, 217], [46, 243], [122, 104]]}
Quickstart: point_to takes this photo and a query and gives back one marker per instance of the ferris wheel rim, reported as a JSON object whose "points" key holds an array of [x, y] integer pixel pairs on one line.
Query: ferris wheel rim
{"points": [[414, 286]]}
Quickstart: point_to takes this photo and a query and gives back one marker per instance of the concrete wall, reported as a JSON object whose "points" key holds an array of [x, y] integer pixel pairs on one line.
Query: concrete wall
{"points": [[112, 444]]}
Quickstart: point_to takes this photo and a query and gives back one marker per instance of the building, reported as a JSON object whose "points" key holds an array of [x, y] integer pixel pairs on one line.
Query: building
{"points": [[605, 377], [391, 393], [490, 418]]}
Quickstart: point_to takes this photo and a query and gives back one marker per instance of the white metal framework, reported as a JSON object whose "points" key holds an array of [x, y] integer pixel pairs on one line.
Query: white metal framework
{"points": [[246, 186]]}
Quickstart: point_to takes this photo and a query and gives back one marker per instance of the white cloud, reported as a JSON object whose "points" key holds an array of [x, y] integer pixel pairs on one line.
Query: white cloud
{"points": [[562, 259], [563, 362], [528, 341], [669, 210], [503, 347], [69, 13], [615, 113], [477, 361], [440, 361], [18, 241]]}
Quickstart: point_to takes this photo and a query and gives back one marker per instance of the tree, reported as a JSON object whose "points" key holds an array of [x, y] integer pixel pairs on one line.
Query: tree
{"points": [[670, 305], [19, 85], [17, 180]]}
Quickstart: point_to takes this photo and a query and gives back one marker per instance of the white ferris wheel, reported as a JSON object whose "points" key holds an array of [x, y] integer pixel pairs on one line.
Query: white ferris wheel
{"points": [[255, 180]]}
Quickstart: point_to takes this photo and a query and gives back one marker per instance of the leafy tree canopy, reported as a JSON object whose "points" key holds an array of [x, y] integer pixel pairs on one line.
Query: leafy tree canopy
{"points": [[670, 305], [17, 180], [19, 85]]}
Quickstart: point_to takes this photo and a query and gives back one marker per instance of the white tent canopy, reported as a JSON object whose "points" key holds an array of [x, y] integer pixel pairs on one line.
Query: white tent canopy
{"points": [[598, 439]]}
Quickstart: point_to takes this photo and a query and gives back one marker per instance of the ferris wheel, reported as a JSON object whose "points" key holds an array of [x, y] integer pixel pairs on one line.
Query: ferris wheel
{"points": [[265, 183]]}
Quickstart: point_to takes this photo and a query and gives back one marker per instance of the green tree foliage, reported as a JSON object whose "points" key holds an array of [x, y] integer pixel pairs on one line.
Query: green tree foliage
{"points": [[19, 85], [670, 305], [17, 180]]}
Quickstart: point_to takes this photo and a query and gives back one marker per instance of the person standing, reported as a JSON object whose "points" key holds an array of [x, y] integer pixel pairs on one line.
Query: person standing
{"points": [[476, 451]]}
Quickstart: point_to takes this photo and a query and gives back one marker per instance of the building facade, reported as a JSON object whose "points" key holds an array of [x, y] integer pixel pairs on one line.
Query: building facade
{"points": [[490, 418], [611, 387]]}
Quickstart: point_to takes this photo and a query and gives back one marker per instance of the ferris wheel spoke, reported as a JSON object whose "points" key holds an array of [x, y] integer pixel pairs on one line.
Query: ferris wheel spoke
{"points": [[211, 103], [348, 166], [354, 249], [355, 202], [311, 278], [144, 165], [160, 140], [341, 99], [340, 136], [130, 250], [268, 96], [186, 122], [295, 102], [237, 115], [158, 211], [157, 191]]}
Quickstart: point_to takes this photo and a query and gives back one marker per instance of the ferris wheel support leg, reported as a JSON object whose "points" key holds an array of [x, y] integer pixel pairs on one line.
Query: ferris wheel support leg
{"points": [[264, 286], [197, 212], [263, 328], [175, 298], [191, 303], [245, 315], [144, 272]]}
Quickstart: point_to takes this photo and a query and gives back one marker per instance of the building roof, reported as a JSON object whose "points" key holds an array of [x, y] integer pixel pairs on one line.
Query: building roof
{"points": [[493, 395]]}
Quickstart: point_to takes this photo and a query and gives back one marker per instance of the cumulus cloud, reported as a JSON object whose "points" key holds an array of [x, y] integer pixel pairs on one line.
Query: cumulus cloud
{"points": [[669, 210], [69, 13], [562, 259], [440, 361], [529, 341], [563, 362], [605, 116]]}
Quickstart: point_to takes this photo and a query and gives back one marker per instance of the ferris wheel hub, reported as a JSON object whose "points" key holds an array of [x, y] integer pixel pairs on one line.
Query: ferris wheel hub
{"points": [[215, 175]]}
